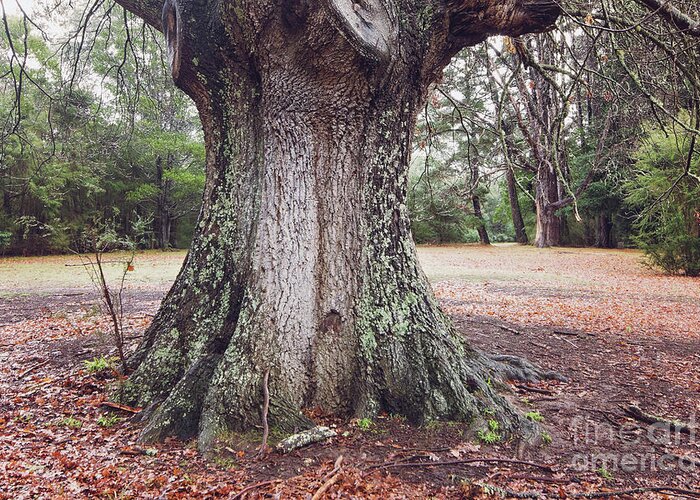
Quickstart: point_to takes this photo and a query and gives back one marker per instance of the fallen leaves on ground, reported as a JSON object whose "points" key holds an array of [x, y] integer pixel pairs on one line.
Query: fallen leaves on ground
{"points": [[58, 439]]}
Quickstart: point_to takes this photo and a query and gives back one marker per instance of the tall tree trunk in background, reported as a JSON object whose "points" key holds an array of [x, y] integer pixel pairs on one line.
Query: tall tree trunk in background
{"points": [[548, 231], [481, 228], [163, 220], [515, 211], [160, 219], [476, 204], [303, 264], [541, 103], [511, 151], [604, 230]]}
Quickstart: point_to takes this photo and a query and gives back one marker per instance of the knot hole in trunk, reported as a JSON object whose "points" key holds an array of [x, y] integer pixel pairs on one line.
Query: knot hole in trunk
{"points": [[332, 322]]}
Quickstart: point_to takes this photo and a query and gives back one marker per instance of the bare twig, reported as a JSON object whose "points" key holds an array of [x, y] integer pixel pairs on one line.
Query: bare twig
{"points": [[265, 410], [565, 332], [84, 264], [117, 406], [254, 486], [335, 475], [565, 340], [32, 368], [666, 489]]}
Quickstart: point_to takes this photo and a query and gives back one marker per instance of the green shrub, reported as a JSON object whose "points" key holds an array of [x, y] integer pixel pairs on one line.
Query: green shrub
{"points": [[70, 422], [108, 420], [672, 249], [5, 241], [665, 194], [535, 416], [98, 365]]}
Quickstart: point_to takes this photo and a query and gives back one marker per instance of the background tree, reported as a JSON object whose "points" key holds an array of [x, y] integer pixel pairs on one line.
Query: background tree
{"points": [[77, 149], [664, 192]]}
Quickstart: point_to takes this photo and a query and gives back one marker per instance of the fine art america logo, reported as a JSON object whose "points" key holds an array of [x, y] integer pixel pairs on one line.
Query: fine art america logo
{"points": [[649, 447]]}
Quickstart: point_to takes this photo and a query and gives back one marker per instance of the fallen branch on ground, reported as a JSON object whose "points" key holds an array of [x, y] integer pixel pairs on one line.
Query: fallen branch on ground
{"points": [[117, 406], [461, 462], [253, 487], [636, 412], [32, 368], [540, 479], [304, 438], [659, 489], [335, 475]]}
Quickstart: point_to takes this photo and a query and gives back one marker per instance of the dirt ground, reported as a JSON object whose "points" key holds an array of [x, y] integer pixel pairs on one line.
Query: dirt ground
{"points": [[621, 334]]}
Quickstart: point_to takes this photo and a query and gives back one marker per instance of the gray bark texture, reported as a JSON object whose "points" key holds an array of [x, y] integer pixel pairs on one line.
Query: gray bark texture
{"points": [[303, 262]]}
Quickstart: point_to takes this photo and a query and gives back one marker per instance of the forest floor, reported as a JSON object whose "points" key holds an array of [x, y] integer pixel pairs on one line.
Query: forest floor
{"points": [[622, 334]]}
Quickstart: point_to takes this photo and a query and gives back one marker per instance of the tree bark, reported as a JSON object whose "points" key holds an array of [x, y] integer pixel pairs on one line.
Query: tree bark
{"points": [[548, 231], [481, 228], [164, 216], [476, 204], [604, 231], [516, 212], [303, 264]]}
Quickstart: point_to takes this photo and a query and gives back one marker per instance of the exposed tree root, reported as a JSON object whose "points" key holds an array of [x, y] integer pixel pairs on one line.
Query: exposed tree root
{"points": [[462, 462], [517, 368], [636, 412], [632, 491]]}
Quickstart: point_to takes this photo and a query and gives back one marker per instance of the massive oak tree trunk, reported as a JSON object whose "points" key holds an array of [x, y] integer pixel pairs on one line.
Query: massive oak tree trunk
{"points": [[303, 264]]}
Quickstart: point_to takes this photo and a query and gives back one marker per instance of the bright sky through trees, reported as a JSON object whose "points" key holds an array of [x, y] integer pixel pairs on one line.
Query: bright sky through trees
{"points": [[14, 7]]}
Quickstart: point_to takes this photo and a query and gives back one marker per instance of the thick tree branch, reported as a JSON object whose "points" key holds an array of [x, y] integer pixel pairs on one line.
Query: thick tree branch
{"points": [[367, 25], [472, 21], [148, 10], [669, 12]]}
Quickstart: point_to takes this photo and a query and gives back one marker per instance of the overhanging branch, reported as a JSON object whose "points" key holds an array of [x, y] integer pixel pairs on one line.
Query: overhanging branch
{"points": [[672, 14], [148, 10], [472, 21]]}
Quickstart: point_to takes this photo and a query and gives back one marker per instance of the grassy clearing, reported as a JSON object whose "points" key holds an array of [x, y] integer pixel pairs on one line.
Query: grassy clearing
{"points": [[472, 263], [47, 275], [499, 275]]}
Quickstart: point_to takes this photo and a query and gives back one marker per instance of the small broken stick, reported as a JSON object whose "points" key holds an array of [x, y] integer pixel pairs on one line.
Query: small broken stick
{"points": [[334, 476], [117, 406], [32, 368]]}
